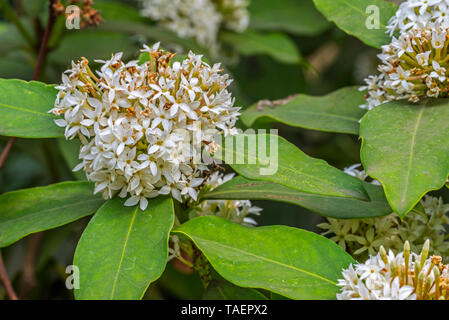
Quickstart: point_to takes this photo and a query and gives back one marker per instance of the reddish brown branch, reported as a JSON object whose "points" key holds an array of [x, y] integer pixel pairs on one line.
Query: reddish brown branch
{"points": [[5, 280], [44, 43], [5, 151]]}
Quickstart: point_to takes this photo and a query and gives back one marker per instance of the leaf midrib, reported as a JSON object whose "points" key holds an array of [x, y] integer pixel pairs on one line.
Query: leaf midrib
{"points": [[410, 160], [196, 238], [114, 284], [25, 110]]}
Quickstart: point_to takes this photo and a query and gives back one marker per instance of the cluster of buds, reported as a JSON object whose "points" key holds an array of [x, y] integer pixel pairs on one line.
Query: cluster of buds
{"points": [[405, 276], [198, 19], [143, 127], [414, 66]]}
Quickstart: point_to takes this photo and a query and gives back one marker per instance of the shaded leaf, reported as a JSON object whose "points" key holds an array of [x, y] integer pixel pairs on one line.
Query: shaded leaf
{"points": [[240, 188], [156, 33], [220, 289], [292, 262], [276, 45], [298, 17], [93, 45]]}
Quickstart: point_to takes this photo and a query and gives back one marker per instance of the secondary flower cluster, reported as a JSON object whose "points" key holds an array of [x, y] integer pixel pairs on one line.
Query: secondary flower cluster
{"points": [[135, 122], [405, 276], [237, 211], [414, 65], [361, 237], [198, 19]]}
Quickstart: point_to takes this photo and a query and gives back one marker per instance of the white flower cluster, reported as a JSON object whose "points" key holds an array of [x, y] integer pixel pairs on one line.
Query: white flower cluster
{"points": [[414, 65], [237, 211], [405, 276], [135, 122], [198, 19]]}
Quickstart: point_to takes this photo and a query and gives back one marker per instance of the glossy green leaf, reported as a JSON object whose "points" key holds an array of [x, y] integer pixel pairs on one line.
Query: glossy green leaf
{"points": [[220, 289], [285, 164], [32, 210], [292, 262], [405, 147], [123, 249], [336, 112], [295, 16], [240, 188], [24, 107], [354, 17], [276, 45]]}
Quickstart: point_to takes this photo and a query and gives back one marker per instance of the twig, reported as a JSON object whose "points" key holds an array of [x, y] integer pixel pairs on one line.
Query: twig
{"points": [[5, 151], [5, 280], [44, 44]]}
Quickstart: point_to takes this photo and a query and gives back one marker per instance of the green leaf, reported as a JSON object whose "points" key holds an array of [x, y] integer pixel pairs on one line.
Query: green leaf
{"points": [[32, 210], [287, 165], [123, 249], [220, 289], [405, 146], [24, 107], [240, 188], [294, 263], [338, 111], [295, 16], [351, 16], [276, 45]]}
